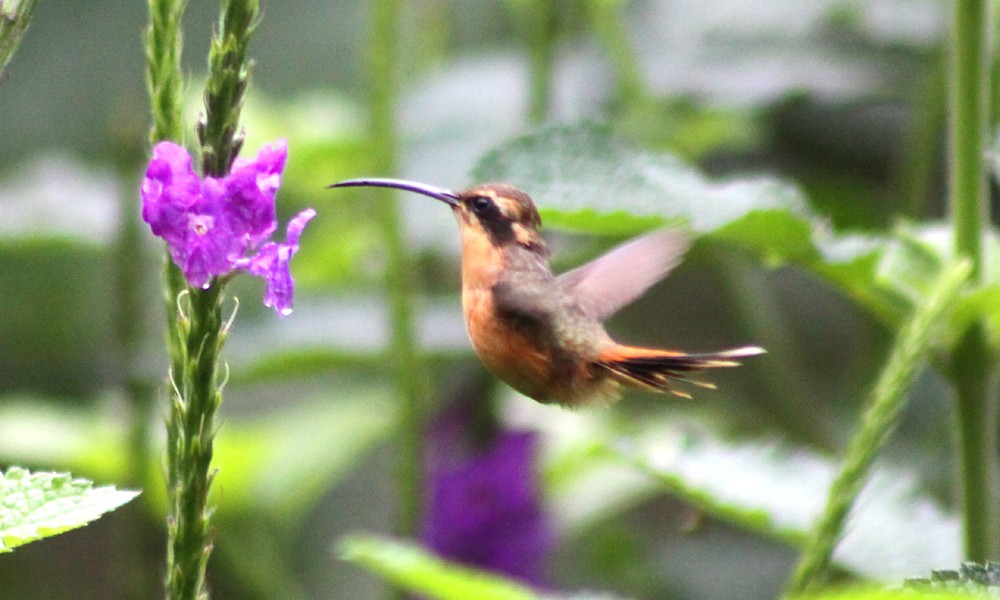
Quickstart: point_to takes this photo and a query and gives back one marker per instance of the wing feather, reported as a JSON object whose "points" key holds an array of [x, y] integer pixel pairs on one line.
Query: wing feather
{"points": [[611, 281]]}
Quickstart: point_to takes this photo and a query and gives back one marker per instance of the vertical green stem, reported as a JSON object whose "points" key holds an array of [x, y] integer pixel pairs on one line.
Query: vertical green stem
{"points": [[164, 78], [383, 68], [542, 48], [887, 399], [165, 84], [973, 378], [607, 23], [971, 368], [192, 427], [969, 123], [539, 23]]}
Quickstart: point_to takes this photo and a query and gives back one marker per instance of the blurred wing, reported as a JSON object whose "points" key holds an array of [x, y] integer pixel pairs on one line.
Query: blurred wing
{"points": [[615, 279]]}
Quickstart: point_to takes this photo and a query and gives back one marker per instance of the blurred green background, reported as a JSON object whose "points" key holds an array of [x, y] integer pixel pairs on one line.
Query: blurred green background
{"points": [[844, 98]]}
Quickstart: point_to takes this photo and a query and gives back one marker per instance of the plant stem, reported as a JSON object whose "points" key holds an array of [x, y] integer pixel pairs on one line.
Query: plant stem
{"points": [[191, 426], [165, 85], [969, 123], [383, 67], [229, 77], [886, 401], [971, 368], [164, 78], [607, 22], [539, 23], [973, 378], [542, 46]]}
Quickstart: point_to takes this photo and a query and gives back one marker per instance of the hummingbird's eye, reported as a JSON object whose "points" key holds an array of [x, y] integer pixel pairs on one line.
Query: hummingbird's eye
{"points": [[481, 205]]}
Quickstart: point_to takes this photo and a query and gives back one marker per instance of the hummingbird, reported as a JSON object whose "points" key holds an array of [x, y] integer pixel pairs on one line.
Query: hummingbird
{"points": [[542, 333]]}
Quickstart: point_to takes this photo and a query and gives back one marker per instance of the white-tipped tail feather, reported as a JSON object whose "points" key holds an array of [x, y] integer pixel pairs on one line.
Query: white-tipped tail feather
{"points": [[655, 370]]}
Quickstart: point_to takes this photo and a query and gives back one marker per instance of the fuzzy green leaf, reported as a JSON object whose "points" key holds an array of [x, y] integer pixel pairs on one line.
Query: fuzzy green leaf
{"points": [[583, 178], [39, 505], [766, 487]]}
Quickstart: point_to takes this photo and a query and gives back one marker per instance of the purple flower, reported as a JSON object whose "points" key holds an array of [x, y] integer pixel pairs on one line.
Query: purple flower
{"points": [[271, 263], [216, 225], [484, 506]]}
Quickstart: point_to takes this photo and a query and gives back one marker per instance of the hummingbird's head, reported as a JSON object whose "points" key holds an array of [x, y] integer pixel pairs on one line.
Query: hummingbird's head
{"points": [[501, 212], [497, 211]]}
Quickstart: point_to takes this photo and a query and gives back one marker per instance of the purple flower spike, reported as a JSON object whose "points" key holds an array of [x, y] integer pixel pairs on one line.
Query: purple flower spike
{"points": [[215, 225]]}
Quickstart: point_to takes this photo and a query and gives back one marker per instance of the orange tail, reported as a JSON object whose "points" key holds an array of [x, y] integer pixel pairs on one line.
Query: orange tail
{"points": [[653, 370]]}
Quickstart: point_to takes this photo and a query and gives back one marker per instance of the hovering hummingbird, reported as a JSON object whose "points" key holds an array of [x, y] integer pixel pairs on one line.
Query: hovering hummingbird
{"points": [[542, 333]]}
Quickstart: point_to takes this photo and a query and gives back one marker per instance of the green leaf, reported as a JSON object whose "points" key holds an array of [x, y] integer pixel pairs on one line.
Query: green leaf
{"points": [[416, 570], [584, 178], [770, 488], [39, 505]]}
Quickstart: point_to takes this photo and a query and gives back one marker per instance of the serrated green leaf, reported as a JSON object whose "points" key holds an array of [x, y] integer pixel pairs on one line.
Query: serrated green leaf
{"points": [[416, 570], [39, 505], [775, 490]]}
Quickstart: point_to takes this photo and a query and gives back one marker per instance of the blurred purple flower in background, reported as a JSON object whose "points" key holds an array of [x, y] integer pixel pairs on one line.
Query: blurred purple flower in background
{"points": [[216, 225], [484, 506]]}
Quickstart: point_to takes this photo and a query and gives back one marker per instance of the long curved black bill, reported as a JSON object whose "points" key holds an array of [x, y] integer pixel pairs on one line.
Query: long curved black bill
{"points": [[444, 195]]}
